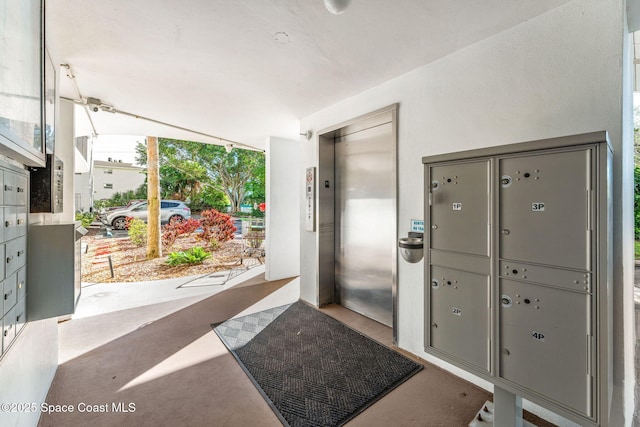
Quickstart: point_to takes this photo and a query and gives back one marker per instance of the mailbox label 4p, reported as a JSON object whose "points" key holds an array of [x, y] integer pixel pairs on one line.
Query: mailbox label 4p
{"points": [[538, 336]]}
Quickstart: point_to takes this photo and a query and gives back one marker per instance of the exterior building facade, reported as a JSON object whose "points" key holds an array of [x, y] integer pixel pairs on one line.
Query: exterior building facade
{"points": [[114, 176]]}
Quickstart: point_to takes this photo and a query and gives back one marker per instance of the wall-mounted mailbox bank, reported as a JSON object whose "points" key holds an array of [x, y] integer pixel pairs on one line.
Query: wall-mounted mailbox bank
{"points": [[517, 276]]}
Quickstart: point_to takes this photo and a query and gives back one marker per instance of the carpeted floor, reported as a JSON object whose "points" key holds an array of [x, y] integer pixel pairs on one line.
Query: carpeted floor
{"points": [[312, 369]]}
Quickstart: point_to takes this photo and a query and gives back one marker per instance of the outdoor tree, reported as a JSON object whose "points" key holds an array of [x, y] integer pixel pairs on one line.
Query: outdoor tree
{"points": [[193, 166], [154, 250]]}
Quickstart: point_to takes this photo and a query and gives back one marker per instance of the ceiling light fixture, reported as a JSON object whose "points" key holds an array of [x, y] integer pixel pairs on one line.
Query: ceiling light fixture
{"points": [[337, 6], [281, 37]]}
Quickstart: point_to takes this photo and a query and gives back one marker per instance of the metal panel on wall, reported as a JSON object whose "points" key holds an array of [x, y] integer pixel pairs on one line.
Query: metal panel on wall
{"points": [[365, 221], [460, 207], [545, 342], [544, 208], [460, 315]]}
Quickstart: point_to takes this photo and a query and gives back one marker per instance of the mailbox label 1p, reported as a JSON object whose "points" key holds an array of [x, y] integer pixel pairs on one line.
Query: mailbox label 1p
{"points": [[457, 206]]}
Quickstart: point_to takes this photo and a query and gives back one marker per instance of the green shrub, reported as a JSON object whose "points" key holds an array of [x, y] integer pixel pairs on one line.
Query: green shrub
{"points": [[636, 207], [192, 256], [87, 218], [137, 231]]}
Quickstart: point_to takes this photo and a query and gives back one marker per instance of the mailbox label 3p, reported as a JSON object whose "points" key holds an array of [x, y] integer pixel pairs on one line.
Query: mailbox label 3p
{"points": [[537, 207]]}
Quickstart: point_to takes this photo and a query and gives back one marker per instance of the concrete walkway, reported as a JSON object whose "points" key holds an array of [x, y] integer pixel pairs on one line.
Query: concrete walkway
{"points": [[101, 298]]}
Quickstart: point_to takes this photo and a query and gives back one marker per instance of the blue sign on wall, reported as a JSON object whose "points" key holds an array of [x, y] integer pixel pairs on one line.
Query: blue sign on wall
{"points": [[417, 225]]}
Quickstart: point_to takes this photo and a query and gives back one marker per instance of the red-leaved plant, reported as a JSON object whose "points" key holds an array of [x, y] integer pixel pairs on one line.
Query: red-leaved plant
{"points": [[217, 227], [174, 229], [127, 222]]}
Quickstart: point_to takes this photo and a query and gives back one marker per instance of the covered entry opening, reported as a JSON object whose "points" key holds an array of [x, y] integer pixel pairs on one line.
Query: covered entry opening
{"points": [[357, 215]]}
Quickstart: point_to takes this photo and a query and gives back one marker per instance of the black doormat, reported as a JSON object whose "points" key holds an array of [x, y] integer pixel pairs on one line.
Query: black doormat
{"points": [[312, 369]]}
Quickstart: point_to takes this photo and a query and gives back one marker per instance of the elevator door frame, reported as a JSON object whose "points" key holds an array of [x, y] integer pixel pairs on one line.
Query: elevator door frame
{"points": [[325, 235]]}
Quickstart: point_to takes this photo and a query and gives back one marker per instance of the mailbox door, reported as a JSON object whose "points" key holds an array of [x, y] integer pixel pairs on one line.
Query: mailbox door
{"points": [[10, 223], [8, 329], [545, 343], [460, 207], [9, 187], [460, 315], [544, 208]]}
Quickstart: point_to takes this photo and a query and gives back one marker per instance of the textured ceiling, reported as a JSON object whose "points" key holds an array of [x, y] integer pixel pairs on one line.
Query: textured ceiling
{"points": [[248, 69]]}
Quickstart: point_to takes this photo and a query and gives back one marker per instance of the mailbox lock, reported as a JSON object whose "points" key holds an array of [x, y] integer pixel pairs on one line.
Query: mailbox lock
{"points": [[435, 227], [527, 175], [506, 352], [506, 180], [514, 271], [505, 231], [435, 325], [527, 301], [506, 301], [435, 284]]}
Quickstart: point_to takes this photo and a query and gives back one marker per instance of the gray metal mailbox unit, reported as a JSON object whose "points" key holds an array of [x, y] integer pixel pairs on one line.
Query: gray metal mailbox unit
{"points": [[13, 246], [517, 271]]}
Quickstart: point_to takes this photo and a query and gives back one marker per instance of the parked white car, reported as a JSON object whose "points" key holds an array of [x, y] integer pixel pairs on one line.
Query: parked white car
{"points": [[170, 210]]}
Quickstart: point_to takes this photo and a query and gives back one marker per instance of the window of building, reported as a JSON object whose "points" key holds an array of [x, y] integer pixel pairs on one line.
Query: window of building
{"points": [[109, 171], [108, 186]]}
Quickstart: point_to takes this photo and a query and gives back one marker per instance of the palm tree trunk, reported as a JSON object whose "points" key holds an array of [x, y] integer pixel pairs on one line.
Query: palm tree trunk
{"points": [[154, 249]]}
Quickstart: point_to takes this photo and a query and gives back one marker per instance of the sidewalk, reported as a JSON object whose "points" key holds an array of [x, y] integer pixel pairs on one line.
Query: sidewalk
{"points": [[101, 298]]}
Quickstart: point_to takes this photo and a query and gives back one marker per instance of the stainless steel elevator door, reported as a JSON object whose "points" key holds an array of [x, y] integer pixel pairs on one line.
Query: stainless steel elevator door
{"points": [[365, 220]]}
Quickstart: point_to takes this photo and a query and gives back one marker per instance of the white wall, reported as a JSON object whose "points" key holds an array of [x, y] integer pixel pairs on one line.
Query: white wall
{"points": [[282, 222], [82, 186], [557, 74], [27, 370], [122, 178]]}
